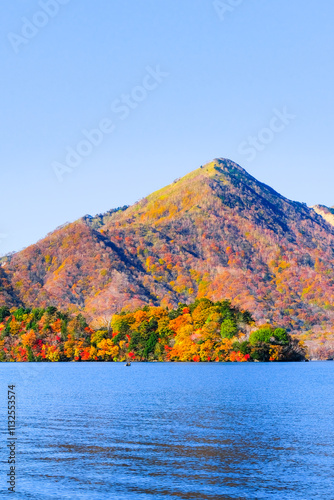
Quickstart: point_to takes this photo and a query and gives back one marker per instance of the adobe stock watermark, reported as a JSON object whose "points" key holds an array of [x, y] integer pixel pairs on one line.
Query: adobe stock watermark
{"points": [[31, 27], [121, 109], [223, 7], [256, 144]]}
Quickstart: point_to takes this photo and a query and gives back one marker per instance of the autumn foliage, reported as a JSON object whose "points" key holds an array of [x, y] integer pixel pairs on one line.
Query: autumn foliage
{"points": [[200, 331], [216, 233]]}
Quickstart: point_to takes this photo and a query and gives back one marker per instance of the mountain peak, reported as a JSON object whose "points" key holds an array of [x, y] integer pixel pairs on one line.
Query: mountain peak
{"points": [[217, 165]]}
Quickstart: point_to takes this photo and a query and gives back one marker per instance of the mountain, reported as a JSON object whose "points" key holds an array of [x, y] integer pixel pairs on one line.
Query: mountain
{"points": [[216, 233], [326, 212]]}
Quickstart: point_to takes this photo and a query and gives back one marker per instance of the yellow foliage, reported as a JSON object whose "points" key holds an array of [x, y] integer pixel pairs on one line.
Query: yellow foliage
{"points": [[107, 349], [15, 327], [181, 321], [93, 352], [51, 353], [28, 338], [139, 317], [69, 347]]}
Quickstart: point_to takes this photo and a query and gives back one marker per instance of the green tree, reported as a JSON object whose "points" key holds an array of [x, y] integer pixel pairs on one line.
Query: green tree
{"points": [[228, 328], [150, 344], [281, 336], [4, 313], [263, 335]]}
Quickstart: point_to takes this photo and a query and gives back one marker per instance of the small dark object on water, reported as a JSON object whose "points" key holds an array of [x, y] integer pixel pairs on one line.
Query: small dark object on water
{"points": [[128, 363]]}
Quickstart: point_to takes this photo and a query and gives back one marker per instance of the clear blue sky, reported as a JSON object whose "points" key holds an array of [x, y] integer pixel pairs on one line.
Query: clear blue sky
{"points": [[227, 74]]}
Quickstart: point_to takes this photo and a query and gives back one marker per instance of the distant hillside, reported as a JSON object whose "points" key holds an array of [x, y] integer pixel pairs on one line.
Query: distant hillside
{"points": [[216, 233], [326, 212]]}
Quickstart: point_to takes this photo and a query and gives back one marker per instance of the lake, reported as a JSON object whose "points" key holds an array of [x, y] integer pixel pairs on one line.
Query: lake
{"points": [[171, 430]]}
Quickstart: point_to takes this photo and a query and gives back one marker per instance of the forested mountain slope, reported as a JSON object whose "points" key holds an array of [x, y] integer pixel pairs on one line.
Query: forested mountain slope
{"points": [[216, 233]]}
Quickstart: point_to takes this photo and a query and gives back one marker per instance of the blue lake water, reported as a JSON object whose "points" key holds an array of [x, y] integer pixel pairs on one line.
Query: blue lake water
{"points": [[171, 430]]}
